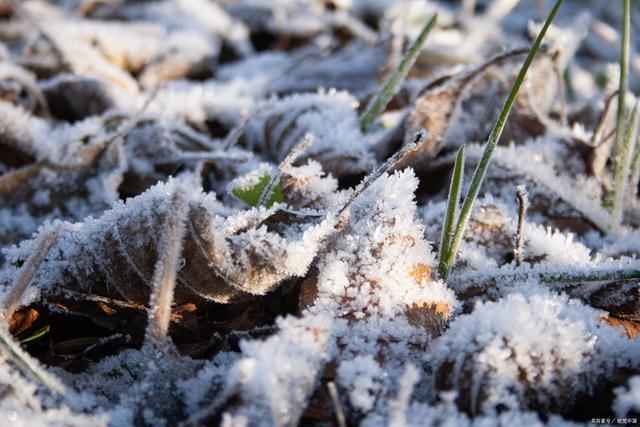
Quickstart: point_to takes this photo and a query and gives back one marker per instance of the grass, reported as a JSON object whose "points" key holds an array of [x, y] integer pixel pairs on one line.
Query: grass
{"points": [[378, 103], [625, 140], [446, 261], [28, 364], [452, 206]]}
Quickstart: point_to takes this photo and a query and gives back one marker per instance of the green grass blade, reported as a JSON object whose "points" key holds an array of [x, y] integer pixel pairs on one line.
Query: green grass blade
{"points": [[635, 171], [622, 150], [382, 99], [481, 169], [452, 208], [36, 335]]}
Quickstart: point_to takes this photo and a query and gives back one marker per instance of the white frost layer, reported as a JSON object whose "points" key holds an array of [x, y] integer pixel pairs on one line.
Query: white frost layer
{"points": [[534, 345]]}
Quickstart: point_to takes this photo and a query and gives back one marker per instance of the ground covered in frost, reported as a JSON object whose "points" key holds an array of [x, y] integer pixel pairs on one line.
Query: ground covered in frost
{"points": [[133, 137]]}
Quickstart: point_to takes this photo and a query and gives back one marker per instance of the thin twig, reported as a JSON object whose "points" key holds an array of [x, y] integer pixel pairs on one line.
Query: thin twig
{"points": [[236, 133], [378, 103], [337, 406], [284, 166], [523, 202], [104, 300], [393, 161], [546, 275], [182, 156], [27, 272], [481, 169], [88, 156], [128, 125], [164, 276]]}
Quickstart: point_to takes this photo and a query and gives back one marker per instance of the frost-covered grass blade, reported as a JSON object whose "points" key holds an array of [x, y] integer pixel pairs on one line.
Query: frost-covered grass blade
{"points": [[478, 176], [27, 363], [165, 274], [378, 103], [28, 271]]}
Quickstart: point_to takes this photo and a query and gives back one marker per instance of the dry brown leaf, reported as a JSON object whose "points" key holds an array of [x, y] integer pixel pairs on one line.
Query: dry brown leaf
{"points": [[432, 316], [22, 320], [277, 129], [631, 328], [436, 108]]}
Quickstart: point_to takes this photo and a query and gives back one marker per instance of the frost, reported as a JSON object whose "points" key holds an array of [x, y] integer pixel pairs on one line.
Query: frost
{"points": [[361, 376], [23, 403], [274, 378], [535, 350], [628, 398], [226, 245], [325, 297]]}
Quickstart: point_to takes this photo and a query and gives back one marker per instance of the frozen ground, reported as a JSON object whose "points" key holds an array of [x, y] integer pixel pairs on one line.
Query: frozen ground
{"points": [[147, 280]]}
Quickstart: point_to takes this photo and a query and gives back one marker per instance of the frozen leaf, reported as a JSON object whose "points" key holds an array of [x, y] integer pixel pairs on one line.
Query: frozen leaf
{"points": [[447, 99], [329, 116], [250, 191], [225, 258], [354, 68]]}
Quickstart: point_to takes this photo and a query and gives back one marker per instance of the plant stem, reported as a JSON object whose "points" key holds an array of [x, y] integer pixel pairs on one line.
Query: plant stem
{"points": [[28, 364], [392, 162], [166, 270], [284, 166], [635, 173], [382, 99], [481, 169], [545, 276], [452, 208], [622, 151], [337, 407], [29, 270], [523, 202]]}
